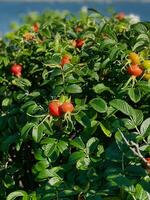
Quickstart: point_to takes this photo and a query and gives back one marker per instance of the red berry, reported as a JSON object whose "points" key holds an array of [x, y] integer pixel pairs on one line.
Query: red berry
{"points": [[54, 108], [16, 70], [79, 43], [36, 27], [135, 70], [148, 160], [65, 60], [67, 107], [120, 16]]}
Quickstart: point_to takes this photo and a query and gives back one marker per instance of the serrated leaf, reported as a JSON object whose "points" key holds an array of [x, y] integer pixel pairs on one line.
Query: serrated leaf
{"points": [[134, 94], [145, 127], [99, 105], [78, 143], [99, 88], [49, 149], [62, 146], [26, 129], [71, 89], [83, 119], [122, 106], [76, 156]]}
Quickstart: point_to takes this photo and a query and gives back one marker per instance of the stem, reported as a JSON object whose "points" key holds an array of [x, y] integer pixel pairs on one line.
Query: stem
{"points": [[36, 116], [122, 162], [133, 196], [127, 83], [134, 149], [138, 130], [43, 120], [57, 198], [135, 126]]}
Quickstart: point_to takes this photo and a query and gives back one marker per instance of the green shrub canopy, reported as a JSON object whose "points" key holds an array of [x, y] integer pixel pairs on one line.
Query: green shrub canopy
{"points": [[96, 67]]}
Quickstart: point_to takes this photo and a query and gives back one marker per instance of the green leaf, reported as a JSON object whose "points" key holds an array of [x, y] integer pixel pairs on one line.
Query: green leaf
{"points": [[100, 87], [96, 197], [41, 165], [145, 127], [92, 144], [138, 44], [62, 146], [46, 173], [37, 133], [67, 193], [122, 106], [19, 193], [100, 149], [22, 83], [137, 118], [121, 181], [143, 36], [34, 94], [105, 130], [140, 28], [26, 129], [33, 196], [3, 122], [78, 143], [83, 163], [140, 193], [73, 89], [55, 181], [28, 104], [134, 121], [6, 102], [129, 124], [55, 59], [7, 140], [76, 156], [134, 94], [144, 86], [57, 91], [8, 181], [83, 119], [49, 149], [99, 105]]}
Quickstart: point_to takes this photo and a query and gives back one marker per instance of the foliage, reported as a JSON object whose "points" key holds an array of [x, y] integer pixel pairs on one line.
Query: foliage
{"points": [[97, 151]]}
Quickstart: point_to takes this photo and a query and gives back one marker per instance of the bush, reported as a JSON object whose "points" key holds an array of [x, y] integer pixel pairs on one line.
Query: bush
{"points": [[101, 148]]}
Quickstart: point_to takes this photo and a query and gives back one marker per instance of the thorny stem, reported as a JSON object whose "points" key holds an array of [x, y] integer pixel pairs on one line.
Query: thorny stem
{"points": [[134, 148]]}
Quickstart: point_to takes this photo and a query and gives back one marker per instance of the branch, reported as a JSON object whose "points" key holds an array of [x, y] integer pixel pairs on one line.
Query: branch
{"points": [[134, 148]]}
